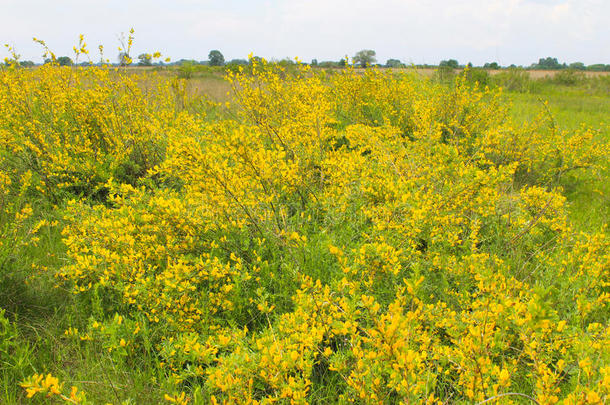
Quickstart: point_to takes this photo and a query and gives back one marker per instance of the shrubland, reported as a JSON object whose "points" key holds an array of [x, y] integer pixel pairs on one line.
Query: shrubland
{"points": [[372, 237]]}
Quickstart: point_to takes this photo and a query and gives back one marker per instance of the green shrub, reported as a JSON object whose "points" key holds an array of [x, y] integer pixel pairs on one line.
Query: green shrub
{"points": [[477, 75], [515, 79], [186, 70], [569, 77], [444, 74]]}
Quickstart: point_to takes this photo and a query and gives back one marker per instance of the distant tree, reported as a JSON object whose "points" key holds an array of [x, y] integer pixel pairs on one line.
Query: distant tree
{"points": [[341, 63], [26, 63], [145, 59], [394, 63], [469, 65], [216, 58], [451, 63], [599, 67], [183, 61], [549, 63], [314, 62], [327, 64], [237, 62], [577, 66], [365, 57], [492, 65], [64, 61]]}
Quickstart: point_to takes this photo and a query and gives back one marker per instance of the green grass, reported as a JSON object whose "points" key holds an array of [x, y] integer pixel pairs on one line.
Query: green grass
{"points": [[571, 108]]}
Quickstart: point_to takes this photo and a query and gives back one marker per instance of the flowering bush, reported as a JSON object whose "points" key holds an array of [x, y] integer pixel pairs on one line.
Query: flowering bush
{"points": [[363, 238]]}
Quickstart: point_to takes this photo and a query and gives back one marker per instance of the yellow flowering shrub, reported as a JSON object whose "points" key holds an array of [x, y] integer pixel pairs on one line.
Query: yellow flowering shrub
{"points": [[76, 128], [355, 237]]}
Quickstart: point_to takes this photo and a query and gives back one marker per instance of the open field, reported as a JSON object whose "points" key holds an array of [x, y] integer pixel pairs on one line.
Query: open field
{"points": [[539, 74], [428, 72], [298, 236], [534, 74]]}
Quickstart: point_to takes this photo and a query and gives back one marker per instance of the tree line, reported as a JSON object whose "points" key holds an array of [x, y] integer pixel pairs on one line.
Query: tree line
{"points": [[363, 58]]}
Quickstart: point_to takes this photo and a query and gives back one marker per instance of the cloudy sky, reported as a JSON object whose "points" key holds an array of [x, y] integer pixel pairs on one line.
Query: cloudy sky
{"points": [[477, 31]]}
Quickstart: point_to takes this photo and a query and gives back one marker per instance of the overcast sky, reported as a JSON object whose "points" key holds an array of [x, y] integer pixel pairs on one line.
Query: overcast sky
{"points": [[477, 31]]}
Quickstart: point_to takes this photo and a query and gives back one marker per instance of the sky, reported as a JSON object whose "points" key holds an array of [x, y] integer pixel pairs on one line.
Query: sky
{"points": [[478, 31]]}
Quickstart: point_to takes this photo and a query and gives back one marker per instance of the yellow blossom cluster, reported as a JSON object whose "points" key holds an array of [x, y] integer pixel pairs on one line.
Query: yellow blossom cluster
{"points": [[75, 129], [51, 387]]}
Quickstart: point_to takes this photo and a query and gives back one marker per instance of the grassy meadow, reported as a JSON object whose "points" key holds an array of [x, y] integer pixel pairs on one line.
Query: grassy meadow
{"points": [[571, 109], [289, 235]]}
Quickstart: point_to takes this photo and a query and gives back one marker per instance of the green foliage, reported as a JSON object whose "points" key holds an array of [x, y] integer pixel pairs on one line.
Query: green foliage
{"points": [[394, 63], [145, 59], [15, 359], [187, 70], [451, 63], [444, 74], [477, 75], [64, 61], [241, 62], [328, 64], [365, 57], [286, 63], [513, 79], [599, 67], [577, 66], [568, 77], [216, 58], [8, 336], [549, 64]]}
